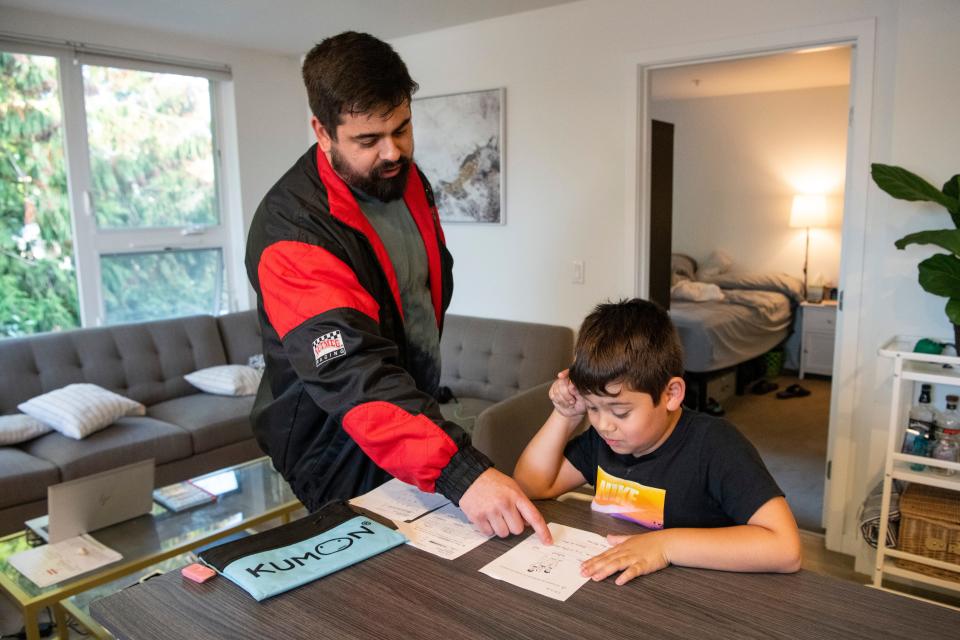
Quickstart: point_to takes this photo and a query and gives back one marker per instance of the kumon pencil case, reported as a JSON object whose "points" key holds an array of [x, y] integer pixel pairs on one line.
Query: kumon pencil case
{"points": [[302, 551]]}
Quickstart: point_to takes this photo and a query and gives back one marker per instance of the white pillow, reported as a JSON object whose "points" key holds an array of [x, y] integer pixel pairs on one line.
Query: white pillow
{"points": [[77, 410], [695, 291], [226, 380], [717, 263], [18, 428]]}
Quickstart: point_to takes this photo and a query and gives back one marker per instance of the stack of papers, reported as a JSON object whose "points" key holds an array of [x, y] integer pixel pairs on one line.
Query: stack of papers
{"points": [[432, 523], [428, 520], [52, 563]]}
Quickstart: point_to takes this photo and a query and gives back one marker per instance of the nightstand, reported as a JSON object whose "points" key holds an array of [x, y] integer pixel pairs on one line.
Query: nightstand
{"points": [[819, 330]]}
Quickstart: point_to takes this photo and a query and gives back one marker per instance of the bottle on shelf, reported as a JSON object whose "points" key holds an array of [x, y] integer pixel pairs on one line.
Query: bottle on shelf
{"points": [[947, 446], [921, 447], [920, 427]]}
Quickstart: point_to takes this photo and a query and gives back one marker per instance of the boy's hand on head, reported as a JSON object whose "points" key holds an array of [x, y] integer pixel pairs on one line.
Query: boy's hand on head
{"points": [[565, 398], [635, 555]]}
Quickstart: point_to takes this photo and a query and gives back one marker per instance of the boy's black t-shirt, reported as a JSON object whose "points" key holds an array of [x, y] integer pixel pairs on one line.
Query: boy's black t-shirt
{"points": [[706, 474]]}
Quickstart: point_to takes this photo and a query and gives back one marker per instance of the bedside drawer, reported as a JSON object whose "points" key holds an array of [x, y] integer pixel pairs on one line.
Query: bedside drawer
{"points": [[821, 319]]}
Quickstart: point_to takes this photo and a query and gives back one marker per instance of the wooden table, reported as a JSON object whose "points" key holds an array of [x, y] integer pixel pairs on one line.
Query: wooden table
{"points": [[406, 593]]}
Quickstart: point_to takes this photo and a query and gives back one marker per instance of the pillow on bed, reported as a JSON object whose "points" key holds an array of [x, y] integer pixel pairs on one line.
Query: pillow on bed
{"points": [[717, 263], [682, 267], [695, 291]]}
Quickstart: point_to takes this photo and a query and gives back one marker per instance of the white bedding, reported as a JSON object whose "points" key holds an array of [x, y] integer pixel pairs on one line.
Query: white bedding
{"points": [[754, 316]]}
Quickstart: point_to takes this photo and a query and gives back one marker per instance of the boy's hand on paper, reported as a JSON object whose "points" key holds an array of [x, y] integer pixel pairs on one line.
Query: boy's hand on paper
{"points": [[565, 398], [635, 555], [495, 504]]}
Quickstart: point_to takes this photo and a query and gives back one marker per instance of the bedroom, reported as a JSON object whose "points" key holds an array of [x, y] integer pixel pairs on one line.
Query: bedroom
{"points": [[749, 138]]}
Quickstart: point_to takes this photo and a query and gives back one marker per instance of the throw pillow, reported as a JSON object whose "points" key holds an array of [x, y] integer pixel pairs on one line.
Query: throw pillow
{"points": [[17, 428], [695, 291], [683, 266], [77, 410], [257, 362], [226, 380], [717, 263]]}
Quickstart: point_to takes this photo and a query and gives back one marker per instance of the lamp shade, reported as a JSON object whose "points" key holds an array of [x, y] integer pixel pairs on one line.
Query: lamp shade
{"points": [[808, 211]]}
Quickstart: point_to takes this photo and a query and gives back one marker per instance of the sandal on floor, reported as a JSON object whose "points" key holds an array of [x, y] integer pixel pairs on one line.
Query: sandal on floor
{"points": [[713, 408], [793, 391], [764, 386]]}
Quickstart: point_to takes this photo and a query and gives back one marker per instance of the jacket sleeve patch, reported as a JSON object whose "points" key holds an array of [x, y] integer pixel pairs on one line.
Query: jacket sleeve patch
{"points": [[327, 347], [410, 447], [299, 281]]}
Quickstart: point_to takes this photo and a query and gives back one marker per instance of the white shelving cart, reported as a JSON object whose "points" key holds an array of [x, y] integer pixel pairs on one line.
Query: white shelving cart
{"points": [[910, 368]]}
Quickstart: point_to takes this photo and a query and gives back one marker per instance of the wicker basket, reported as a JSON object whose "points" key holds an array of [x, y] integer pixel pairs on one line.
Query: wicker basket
{"points": [[930, 526]]}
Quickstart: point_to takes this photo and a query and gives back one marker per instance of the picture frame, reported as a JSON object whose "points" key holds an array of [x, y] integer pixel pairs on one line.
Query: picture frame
{"points": [[459, 145]]}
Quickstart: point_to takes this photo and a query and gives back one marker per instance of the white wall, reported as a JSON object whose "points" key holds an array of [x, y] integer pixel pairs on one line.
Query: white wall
{"points": [[567, 72], [739, 160], [266, 120]]}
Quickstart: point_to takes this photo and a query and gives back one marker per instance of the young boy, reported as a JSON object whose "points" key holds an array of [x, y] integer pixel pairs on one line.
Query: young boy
{"points": [[692, 479]]}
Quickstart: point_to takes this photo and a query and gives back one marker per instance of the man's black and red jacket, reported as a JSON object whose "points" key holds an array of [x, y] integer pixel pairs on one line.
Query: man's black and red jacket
{"points": [[338, 410]]}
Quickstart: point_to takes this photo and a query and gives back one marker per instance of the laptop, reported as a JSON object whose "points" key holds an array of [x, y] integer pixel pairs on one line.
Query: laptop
{"points": [[93, 502]]}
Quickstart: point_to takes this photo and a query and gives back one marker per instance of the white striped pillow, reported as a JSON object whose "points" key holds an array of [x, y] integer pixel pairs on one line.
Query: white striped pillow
{"points": [[226, 380], [77, 410], [17, 428]]}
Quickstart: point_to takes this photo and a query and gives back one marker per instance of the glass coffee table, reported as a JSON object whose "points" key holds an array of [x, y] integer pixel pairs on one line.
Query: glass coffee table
{"points": [[261, 494]]}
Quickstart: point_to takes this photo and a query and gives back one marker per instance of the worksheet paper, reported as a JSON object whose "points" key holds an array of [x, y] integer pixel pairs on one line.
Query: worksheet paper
{"points": [[399, 501], [552, 571], [428, 520], [49, 564], [445, 532]]}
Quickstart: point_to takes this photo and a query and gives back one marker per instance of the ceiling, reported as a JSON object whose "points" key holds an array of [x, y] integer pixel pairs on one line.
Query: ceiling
{"points": [[802, 69], [283, 26]]}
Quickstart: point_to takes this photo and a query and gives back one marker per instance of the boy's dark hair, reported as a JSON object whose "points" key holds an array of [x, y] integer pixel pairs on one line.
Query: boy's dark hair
{"points": [[632, 342], [354, 73]]}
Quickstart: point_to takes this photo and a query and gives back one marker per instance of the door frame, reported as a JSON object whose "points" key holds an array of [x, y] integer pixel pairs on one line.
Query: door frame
{"points": [[839, 516]]}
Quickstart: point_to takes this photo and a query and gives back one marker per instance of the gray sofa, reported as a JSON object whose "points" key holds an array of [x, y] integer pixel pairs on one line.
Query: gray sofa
{"points": [[185, 431], [496, 368], [499, 372]]}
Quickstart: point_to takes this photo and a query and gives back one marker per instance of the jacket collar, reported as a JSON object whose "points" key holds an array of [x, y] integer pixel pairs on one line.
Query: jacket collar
{"points": [[344, 207]]}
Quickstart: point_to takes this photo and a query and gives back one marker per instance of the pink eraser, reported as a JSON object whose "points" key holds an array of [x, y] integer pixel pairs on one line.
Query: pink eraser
{"points": [[197, 572]]}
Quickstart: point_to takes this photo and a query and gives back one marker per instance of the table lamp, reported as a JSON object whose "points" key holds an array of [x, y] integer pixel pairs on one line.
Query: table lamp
{"points": [[808, 211]]}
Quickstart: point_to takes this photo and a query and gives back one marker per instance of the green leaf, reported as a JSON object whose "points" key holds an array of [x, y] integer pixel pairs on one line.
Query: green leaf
{"points": [[952, 187], [940, 275], [948, 239], [904, 185], [953, 310]]}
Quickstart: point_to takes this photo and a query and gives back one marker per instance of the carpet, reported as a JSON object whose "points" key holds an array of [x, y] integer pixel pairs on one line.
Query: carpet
{"points": [[791, 436]]}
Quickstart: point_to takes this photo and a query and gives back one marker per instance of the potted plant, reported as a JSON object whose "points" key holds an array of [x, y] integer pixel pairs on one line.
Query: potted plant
{"points": [[940, 273]]}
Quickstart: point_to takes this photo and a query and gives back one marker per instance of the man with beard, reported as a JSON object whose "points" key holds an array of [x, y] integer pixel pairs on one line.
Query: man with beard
{"points": [[352, 276]]}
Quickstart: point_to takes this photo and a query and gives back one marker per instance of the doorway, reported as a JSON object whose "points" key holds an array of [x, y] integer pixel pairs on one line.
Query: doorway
{"points": [[839, 502], [747, 172]]}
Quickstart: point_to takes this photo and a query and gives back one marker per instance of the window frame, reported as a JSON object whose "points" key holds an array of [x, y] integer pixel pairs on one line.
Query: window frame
{"points": [[91, 242]]}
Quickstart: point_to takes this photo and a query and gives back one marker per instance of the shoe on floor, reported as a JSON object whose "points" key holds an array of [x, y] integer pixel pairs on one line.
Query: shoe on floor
{"points": [[793, 391], [713, 408], [764, 386]]}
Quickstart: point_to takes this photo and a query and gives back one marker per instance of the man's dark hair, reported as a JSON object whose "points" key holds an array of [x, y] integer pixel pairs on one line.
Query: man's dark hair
{"points": [[631, 342], [354, 73]]}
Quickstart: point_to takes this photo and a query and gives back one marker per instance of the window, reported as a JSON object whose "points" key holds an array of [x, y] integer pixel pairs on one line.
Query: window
{"points": [[139, 234], [36, 243]]}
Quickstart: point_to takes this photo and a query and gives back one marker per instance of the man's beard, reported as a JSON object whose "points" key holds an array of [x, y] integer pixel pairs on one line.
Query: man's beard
{"points": [[374, 184]]}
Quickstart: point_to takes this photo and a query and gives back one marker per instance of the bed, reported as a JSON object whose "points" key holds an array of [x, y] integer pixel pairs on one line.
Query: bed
{"points": [[727, 318]]}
